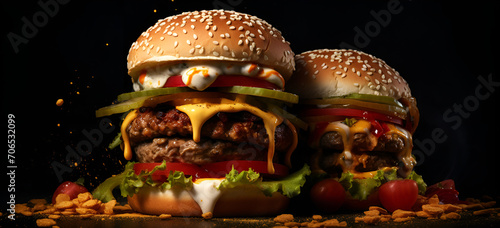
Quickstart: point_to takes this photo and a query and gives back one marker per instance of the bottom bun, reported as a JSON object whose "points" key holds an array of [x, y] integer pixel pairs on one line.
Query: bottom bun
{"points": [[238, 201]]}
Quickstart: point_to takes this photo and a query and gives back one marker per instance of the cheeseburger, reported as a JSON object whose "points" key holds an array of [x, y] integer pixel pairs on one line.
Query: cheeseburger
{"points": [[205, 123], [361, 117]]}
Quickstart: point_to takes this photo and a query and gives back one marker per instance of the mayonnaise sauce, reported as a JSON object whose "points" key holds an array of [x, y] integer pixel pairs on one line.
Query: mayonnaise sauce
{"points": [[206, 194], [200, 75]]}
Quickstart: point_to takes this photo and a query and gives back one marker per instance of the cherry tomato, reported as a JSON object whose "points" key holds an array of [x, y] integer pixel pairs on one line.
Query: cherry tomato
{"points": [[445, 190], [328, 195], [398, 194], [70, 188]]}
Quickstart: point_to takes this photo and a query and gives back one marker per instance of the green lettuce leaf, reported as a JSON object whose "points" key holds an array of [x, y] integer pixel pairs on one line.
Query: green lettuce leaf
{"points": [[130, 183], [104, 191], [422, 186], [360, 189], [289, 186]]}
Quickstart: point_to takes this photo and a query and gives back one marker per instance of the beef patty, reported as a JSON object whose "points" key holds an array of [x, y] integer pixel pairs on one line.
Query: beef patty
{"points": [[165, 133], [367, 156]]}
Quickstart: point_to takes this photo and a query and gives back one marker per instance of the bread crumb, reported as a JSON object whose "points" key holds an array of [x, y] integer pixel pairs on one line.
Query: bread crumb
{"points": [[207, 215], [317, 217], [283, 218], [45, 222], [165, 216]]}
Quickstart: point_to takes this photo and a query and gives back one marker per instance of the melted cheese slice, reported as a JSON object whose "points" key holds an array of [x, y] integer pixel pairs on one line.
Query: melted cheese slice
{"points": [[201, 112], [127, 150]]}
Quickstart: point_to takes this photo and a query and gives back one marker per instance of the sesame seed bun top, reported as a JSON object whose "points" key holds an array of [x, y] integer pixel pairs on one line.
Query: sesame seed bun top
{"points": [[211, 35], [338, 72]]}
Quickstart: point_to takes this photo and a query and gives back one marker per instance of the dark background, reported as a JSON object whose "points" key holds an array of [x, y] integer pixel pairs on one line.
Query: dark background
{"points": [[78, 53]]}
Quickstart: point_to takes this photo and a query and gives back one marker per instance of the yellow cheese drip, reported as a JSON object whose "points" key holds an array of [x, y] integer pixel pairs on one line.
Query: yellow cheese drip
{"points": [[201, 112], [295, 141], [127, 150]]}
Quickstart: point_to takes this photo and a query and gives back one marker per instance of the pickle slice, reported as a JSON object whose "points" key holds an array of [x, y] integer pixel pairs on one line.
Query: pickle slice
{"points": [[375, 98], [138, 99], [153, 92], [260, 92], [357, 96], [121, 107]]}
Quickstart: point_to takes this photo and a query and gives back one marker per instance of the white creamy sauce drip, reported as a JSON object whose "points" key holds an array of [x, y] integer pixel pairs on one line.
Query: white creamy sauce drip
{"points": [[206, 194], [200, 75]]}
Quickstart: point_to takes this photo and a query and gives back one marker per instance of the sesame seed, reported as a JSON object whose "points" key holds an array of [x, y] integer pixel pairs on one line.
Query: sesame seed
{"points": [[214, 28], [228, 35], [202, 49], [262, 37], [174, 34], [188, 42], [225, 48], [222, 36], [192, 26], [175, 44], [197, 46], [358, 73], [195, 36], [232, 27], [356, 84], [216, 42], [215, 53], [228, 22], [184, 31], [333, 68], [370, 73], [211, 34], [339, 72], [240, 28], [367, 78], [240, 42], [162, 38], [344, 75]]}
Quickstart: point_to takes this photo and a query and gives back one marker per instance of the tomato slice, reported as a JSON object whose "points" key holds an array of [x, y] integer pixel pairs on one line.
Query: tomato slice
{"points": [[366, 115], [222, 168], [211, 170], [226, 81], [161, 175]]}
